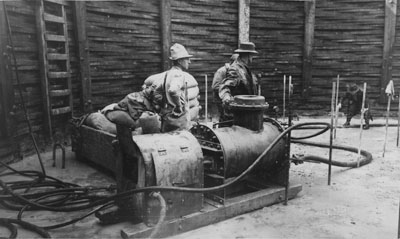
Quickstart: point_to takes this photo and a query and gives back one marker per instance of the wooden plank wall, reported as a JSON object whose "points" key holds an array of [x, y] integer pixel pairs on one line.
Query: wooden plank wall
{"points": [[124, 47], [277, 29], [348, 41], [209, 31], [22, 20]]}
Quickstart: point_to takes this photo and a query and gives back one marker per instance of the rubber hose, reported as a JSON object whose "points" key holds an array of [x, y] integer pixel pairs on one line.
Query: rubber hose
{"points": [[11, 227], [163, 188], [163, 212], [366, 160], [26, 225]]}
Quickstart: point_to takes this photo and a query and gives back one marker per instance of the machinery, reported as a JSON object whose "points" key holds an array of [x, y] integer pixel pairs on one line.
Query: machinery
{"points": [[214, 166]]}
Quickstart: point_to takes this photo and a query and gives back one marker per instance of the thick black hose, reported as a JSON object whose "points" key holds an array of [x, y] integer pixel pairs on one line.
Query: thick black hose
{"points": [[110, 199], [366, 160], [26, 225], [11, 227], [162, 188]]}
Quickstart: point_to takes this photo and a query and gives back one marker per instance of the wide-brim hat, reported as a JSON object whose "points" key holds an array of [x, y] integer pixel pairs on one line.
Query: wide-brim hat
{"points": [[178, 52], [246, 47]]}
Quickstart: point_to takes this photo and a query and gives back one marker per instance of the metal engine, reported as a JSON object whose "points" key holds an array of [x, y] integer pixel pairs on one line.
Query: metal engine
{"points": [[202, 158], [228, 151]]}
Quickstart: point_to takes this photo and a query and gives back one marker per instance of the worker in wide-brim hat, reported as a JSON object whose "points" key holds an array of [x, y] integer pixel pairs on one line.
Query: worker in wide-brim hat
{"points": [[169, 89], [239, 79], [354, 96], [219, 76]]}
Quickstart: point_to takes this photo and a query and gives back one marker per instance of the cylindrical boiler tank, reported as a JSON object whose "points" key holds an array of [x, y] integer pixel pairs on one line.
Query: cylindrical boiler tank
{"points": [[229, 151]]}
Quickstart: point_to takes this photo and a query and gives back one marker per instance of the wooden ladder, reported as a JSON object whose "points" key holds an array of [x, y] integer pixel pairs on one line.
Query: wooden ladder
{"points": [[55, 66]]}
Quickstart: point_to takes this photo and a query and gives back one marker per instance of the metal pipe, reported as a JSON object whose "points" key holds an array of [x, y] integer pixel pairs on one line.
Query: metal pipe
{"points": [[284, 98], [206, 99], [331, 131], [337, 109], [398, 122], [288, 139]]}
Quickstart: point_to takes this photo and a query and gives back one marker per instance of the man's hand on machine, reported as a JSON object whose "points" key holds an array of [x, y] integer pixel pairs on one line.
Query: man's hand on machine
{"points": [[227, 99]]}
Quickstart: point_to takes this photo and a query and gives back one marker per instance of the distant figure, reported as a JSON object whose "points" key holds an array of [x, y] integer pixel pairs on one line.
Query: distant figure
{"points": [[354, 96], [239, 79], [219, 76]]}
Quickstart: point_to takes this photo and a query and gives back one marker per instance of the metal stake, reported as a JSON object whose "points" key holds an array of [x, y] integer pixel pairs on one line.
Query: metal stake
{"points": [[206, 99], [284, 98], [361, 124], [337, 109], [331, 130], [387, 123]]}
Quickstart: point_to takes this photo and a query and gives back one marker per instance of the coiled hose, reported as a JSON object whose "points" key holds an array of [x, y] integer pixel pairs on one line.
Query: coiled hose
{"points": [[82, 199]]}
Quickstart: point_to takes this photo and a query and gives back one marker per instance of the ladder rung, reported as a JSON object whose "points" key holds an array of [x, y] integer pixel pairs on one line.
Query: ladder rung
{"points": [[53, 18], [63, 2], [52, 37], [62, 110], [56, 56], [56, 93], [58, 74]]}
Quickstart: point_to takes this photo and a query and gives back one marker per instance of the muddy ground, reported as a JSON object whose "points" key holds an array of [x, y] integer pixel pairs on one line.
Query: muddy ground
{"points": [[360, 202]]}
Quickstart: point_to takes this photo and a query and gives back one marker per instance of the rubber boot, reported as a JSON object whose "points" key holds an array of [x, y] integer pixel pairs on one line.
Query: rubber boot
{"points": [[347, 123], [366, 126]]}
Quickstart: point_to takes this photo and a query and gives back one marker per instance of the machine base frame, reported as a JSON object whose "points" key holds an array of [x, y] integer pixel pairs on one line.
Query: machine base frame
{"points": [[212, 214]]}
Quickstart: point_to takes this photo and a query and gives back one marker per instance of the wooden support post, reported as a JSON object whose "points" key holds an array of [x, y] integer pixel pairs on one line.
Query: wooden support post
{"points": [[6, 85], [166, 36], [83, 54], [244, 20], [309, 12], [388, 42]]}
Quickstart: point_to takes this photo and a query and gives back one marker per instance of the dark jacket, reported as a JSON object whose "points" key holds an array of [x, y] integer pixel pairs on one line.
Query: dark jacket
{"points": [[239, 81]]}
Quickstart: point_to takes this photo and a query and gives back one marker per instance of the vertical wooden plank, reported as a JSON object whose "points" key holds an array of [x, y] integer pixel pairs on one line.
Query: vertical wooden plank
{"points": [[7, 91], [244, 20], [166, 36], [388, 42], [309, 12], [42, 46], [83, 54]]}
